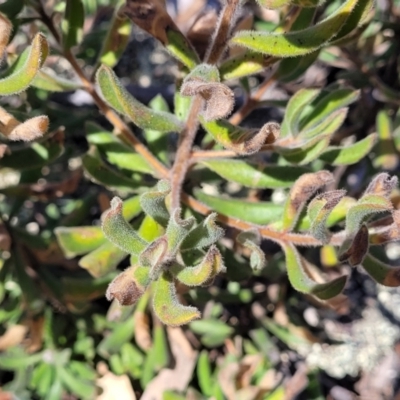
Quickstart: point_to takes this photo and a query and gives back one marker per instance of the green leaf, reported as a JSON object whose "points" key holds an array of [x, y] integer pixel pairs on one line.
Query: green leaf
{"points": [[248, 63], [119, 231], [270, 177], [213, 332], [240, 140], [327, 105], [203, 235], [157, 142], [79, 240], [293, 68], [386, 154], [177, 230], [166, 305], [296, 43], [37, 155], [102, 174], [102, 260], [116, 152], [121, 333], [319, 210], [11, 8], [381, 272], [294, 109], [210, 266], [260, 212], [72, 24], [368, 205], [303, 157], [76, 385], [23, 76], [204, 375], [252, 240], [357, 18], [118, 98], [153, 203], [47, 80], [347, 155], [300, 280], [116, 40]]}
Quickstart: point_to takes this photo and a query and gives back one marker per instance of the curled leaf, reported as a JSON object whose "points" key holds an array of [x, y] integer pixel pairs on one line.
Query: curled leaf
{"points": [[210, 266], [241, 140], [218, 98], [300, 280], [300, 42], [119, 99], [29, 130], [129, 286], [318, 212], [5, 32], [358, 249], [204, 234], [252, 240], [381, 272], [153, 203], [152, 17], [154, 256], [177, 230], [300, 193], [368, 205], [22, 76], [166, 304], [119, 232], [388, 233], [382, 185]]}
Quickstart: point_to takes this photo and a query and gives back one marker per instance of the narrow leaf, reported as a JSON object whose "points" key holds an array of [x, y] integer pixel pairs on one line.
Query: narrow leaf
{"points": [[347, 155], [241, 140], [72, 24], [319, 210], [118, 98], [210, 266], [381, 272], [300, 193], [153, 203], [260, 212], [270, 177], [119, 231], [80, 240], [296, 43], [252, 240], [22, 77], [166, 305], [300, 280]]}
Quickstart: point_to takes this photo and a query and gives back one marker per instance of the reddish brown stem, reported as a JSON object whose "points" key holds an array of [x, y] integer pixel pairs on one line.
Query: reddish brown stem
{"points": [[182, 158]]}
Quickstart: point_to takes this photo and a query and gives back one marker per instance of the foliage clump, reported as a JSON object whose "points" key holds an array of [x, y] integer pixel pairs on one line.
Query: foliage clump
{"points": [[183, 190]]}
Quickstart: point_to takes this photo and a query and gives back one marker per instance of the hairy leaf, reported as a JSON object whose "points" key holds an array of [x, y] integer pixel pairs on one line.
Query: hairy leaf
{"points": [[296, 43], [118, 98], [381, 272], [153, 203], [166, 304], [300, 280], [23, 76]]}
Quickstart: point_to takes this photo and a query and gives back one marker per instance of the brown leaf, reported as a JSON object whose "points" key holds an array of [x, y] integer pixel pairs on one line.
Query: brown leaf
{"points": [[13, 336], [201, 31], [382, 185], [219, 98], [114, 387], [142, 330], [358, 248], [178, 378], [297, 383]]}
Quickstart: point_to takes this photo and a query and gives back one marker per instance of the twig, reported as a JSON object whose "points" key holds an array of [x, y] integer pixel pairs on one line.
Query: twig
{"points": [[122, 130], [297, 239], [221, 34], [181, 163]]}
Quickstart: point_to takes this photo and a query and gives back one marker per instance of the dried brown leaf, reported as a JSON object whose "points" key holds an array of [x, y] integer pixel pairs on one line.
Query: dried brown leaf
{"points": [[178, 378], [358, 248], [13, 336], [219, 98]]}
